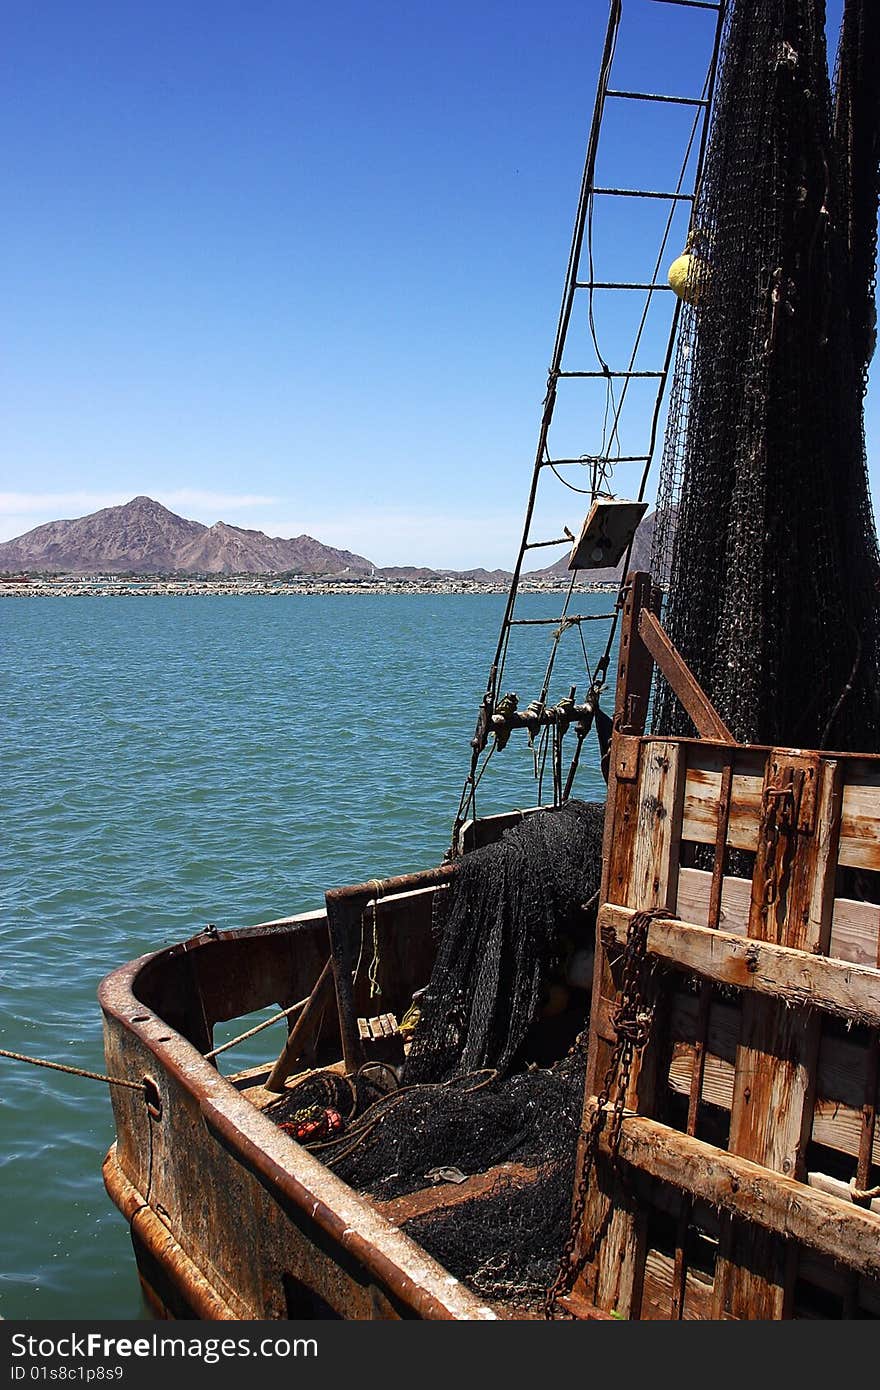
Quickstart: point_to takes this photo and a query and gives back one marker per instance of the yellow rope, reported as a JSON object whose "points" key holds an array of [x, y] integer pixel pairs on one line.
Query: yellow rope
{"points": [[375, 987]]}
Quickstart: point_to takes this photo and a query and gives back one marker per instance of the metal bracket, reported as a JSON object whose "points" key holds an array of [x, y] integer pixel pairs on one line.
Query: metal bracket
{"points": [[627, 749], [790, 787]]}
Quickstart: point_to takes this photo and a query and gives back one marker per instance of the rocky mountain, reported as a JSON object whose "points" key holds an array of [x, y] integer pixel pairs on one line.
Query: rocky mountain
{"points": [[144, 537]]}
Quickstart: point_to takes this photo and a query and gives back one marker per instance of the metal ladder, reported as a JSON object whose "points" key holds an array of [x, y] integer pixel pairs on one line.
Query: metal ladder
{"points": [[500, 721]]}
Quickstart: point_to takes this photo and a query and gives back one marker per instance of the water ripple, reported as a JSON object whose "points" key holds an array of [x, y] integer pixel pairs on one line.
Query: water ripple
{"points": [[172, 762]]}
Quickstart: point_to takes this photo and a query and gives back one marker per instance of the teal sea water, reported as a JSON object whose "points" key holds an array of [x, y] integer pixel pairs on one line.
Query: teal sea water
{"points": [[168, 762]]}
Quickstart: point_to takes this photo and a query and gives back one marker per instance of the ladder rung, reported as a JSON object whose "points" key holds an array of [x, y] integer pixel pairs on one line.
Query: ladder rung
{"points": [[570, 621], [643, 193], [614, 374], [624, 458], [689, 4], [618, 285], [537, 545], [654, 96]]}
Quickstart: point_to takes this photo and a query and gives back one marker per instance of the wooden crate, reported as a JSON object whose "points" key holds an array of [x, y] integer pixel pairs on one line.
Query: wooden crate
{"points": [[749, 1146]]}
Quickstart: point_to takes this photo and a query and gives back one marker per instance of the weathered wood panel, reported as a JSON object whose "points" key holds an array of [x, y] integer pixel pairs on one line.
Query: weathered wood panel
{"points": [[761, 966], [860, 823], [835, 1125], [751, 1192], [855, 926]]}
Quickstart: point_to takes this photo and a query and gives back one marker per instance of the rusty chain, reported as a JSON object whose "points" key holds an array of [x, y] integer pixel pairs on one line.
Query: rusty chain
{"points": [[632, 1022]]}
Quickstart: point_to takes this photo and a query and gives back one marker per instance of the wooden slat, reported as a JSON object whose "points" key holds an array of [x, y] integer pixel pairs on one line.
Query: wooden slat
{"points": [[694, 700], [860, 820], [835, 1125], [447, 1195], [770, 1114], [653, 872], [751, 1192], [855, 926], [860, 824], [796, 978]]}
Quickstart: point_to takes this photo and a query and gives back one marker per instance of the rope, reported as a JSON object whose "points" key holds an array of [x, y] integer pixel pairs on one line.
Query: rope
{"points": [[73, 1071], [364, 1125], [864, 1194], [258, 1028], [373, 972]]}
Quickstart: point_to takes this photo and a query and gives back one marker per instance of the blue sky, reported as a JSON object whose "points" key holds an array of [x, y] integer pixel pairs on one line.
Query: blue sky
{"points": [[298, 267]]}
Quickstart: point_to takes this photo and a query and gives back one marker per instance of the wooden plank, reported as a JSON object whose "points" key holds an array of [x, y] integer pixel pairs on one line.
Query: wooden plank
{"points": [[447, 1195], [693, 698], [771, 1111], [860, 819], [635, 666], [855, 926], [702, 791], [653, 866], [615, 1280], [860, 825], [793, 977], [753, 1193], [855, 931]]}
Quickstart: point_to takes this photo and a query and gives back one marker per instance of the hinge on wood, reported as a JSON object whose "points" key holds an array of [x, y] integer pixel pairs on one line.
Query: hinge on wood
{"points": [[634, 713], [627, 748]]}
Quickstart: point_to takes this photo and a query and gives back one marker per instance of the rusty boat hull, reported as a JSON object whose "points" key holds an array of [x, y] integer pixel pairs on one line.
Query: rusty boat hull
{"points": [[230, 1218]]}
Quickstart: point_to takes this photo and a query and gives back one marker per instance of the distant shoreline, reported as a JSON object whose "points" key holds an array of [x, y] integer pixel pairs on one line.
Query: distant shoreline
{"points": [[267, 586]]}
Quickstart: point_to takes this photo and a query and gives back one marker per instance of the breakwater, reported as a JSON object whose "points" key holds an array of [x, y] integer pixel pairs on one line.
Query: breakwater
{"points": [[114, 587]]}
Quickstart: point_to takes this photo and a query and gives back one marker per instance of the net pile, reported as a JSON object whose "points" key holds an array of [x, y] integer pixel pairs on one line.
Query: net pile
{"points": [[503, 923], [506, 1241], [765, 534], [469, 1125], [471, 1097]]}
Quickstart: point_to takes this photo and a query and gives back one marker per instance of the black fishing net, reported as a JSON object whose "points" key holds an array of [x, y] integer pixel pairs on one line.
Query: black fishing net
{"points": [[505, 1241], [506, 1244], [857, 137], [504, 924], [765, 535], [412, 1136], [472, 1095]]}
